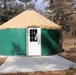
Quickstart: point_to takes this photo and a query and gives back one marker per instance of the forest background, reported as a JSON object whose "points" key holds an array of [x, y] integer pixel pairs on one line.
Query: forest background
{"points": [[62, 12]]}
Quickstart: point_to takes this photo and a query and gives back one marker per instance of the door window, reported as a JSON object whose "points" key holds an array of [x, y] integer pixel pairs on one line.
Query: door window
{"points": [[33, 35]]}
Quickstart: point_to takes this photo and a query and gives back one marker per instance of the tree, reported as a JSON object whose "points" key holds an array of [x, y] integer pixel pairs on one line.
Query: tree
{"points": [[26, 1], [5, 3], [7, 14], [62, 13], [5, 6]]}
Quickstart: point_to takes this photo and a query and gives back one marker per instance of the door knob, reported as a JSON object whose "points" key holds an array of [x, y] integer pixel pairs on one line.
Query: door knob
{"points": [[38, 38]]}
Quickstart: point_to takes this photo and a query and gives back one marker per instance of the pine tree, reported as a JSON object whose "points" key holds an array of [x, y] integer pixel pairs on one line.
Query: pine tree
{"points": [[26, 1], [62, 13]]}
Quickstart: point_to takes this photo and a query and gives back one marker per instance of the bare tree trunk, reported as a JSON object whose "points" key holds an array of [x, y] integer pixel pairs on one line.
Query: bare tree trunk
{"points": [[5, 6], [26, 5], [52, 17], [52, 9]]}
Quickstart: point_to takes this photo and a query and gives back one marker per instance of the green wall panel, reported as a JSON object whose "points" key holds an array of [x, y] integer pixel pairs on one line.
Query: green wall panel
{"points": [[50, 41], [13, 41]]}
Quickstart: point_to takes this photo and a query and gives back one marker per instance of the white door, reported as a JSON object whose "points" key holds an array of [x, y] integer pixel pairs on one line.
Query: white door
{"points": [[34, 41]]}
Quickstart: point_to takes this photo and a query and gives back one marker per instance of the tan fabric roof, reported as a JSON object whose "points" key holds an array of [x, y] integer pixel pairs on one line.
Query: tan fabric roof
{"points": [[29, 18]]}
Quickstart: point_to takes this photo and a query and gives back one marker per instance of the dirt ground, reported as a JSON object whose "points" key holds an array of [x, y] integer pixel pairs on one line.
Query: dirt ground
{"points": [[69, 54], [66, 72], [70, 49], [2, 59]]}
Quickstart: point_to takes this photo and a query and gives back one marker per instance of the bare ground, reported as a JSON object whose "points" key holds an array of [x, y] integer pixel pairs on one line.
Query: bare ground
{"points": [[2, 59], [70, 49], [69, 54], [66, 72]]}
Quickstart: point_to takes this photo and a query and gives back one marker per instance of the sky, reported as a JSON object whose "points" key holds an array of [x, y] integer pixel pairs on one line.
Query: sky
{"points": [[39, 4]]}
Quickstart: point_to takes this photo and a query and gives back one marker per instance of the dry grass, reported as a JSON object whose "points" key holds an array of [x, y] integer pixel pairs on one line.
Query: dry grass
{"points": [[69, 43], [69, 54], [71, 71], [2, 59]]}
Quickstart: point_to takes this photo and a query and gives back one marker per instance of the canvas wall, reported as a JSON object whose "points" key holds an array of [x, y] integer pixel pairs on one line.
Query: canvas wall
{"points": [[13, 41]]}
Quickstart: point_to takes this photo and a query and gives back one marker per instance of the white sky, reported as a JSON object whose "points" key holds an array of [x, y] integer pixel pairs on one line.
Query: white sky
{"points": [[39, 5]]}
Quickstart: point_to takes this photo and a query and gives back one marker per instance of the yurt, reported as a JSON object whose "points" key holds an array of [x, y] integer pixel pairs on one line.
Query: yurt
{"points": [[30, 34]]}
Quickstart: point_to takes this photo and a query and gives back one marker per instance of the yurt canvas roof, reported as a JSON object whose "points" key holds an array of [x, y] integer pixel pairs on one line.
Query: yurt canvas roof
{"points": [[29, 18]]}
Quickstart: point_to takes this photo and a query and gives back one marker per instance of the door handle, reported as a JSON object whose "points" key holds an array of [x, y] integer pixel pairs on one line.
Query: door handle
{"points": [[38, 38]]}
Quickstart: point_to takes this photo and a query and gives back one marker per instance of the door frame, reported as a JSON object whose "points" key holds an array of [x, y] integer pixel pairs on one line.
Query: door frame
{"points": [[27, 41]]}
